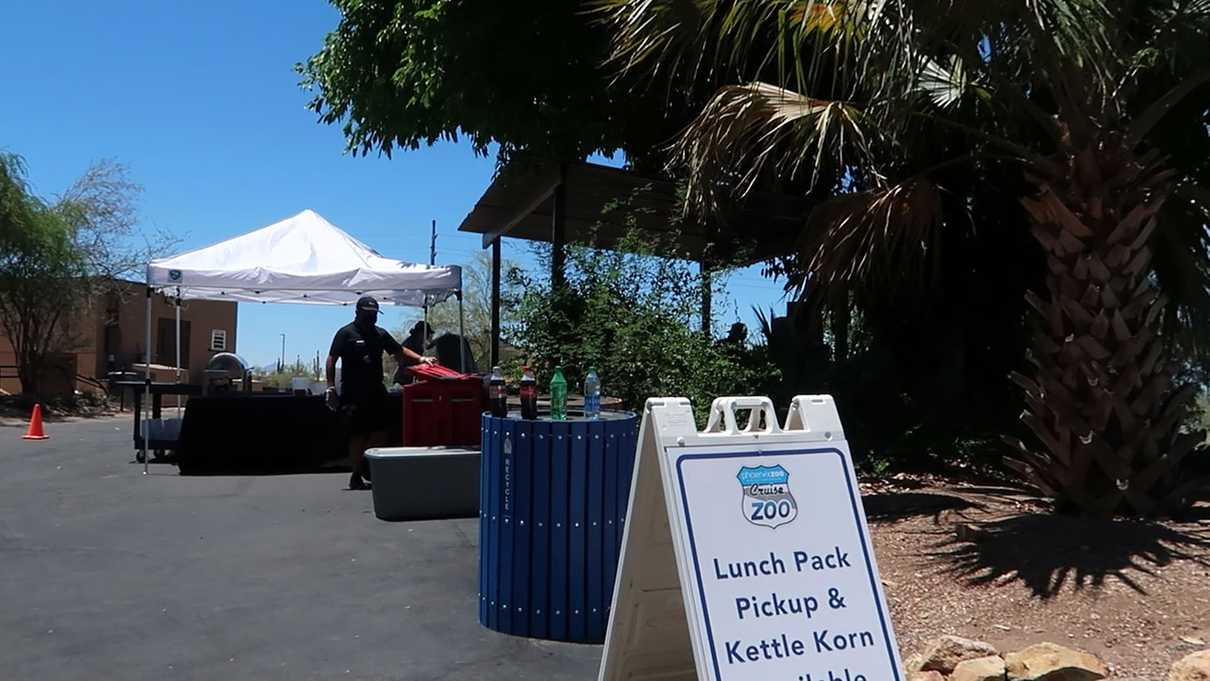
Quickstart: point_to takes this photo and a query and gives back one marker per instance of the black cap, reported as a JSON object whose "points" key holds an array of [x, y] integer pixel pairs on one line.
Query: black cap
{"points": [[367, 304]]}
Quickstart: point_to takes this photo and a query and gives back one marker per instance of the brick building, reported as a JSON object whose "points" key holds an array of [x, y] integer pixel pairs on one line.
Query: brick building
{"points": [[109, 336]]}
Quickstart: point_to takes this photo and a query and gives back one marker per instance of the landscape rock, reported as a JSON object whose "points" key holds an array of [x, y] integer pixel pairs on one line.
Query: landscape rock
{"points": [[990, 668], [945, 653], [1195, 667], [1051, 662], [925, 676], [913, 663]]}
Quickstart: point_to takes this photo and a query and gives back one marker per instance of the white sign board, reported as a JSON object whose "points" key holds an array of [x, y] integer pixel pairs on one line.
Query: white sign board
{"points": [[746, 554]]}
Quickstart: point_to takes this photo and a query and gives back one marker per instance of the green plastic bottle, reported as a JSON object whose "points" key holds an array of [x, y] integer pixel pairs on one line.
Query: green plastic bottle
{"points": [[558, 396]]}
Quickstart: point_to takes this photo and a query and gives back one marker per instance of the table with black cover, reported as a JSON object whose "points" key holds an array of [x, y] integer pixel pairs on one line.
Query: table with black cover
{"points": [[268, 432]]}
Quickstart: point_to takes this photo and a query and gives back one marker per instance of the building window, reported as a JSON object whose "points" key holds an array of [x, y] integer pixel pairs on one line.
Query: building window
{"points": [[218, 340]]}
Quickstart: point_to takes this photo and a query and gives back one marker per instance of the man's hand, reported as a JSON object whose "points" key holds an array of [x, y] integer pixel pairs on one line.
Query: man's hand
{"points": [[331, 399], [428, 360]]}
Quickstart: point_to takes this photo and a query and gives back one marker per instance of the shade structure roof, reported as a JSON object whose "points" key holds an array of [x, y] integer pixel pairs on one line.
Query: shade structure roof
{"points": [[302, 259], [603, 204]]}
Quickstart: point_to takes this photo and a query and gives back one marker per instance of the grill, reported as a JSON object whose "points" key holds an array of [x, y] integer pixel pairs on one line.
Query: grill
{"points": [[227, 372]]}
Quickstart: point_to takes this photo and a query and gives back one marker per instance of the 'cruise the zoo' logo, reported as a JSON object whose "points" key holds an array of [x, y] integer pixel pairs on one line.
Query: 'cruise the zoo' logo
{"points": [[767, 499]]}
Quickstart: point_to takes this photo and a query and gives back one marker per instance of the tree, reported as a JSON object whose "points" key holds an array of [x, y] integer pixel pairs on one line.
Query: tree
{"points": [[1089, 115], [635, 318], [57, 257], [403, 73], [409, 72]]}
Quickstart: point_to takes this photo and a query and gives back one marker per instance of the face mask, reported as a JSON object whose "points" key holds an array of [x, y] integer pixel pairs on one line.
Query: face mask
{"points": [[366, 318]]}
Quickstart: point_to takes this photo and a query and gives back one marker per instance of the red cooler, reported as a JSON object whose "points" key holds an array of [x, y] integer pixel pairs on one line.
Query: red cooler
{"points": [[442, 409]]}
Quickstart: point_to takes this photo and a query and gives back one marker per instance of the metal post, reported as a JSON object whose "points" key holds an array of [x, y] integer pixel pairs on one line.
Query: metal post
{"points": [[558, 231], [178, 347], [433, 245], [461, 336], [495, 351], [147, 382], [707, 298]]}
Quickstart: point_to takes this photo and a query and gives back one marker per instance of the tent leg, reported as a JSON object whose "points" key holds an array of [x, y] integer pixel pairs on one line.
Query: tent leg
{"points": [[178, 348], [147, 382], [461, 336]]}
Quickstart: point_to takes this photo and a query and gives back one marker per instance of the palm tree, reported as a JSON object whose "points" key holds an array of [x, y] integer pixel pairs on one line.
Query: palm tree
{"points": [[1091, 114]]}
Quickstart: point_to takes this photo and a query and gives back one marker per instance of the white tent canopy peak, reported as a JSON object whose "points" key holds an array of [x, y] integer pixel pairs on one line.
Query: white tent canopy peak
{"points": [[302, 259]]}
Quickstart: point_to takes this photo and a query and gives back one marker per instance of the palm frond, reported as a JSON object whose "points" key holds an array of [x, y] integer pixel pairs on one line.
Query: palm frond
{"points": [[1182, 265], [944, 84], [748, 129], [874, 239]]}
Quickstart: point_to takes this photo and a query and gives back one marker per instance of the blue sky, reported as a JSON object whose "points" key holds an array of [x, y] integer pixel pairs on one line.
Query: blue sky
{"points": [[201, 102]]}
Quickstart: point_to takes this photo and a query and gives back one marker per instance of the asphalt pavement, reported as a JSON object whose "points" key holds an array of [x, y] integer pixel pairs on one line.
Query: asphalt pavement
{"points": [[109, 574]]}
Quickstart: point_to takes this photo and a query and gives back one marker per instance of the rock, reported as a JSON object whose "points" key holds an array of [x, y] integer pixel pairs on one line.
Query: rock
{"points": [[925, 676], [913, 663], [1050, 662], [990, 668], [944, 653], [1195, 667]]}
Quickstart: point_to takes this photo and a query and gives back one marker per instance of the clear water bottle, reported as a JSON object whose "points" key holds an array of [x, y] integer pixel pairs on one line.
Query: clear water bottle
{"points": [[592, 395], [558, 396], [497, 394]]}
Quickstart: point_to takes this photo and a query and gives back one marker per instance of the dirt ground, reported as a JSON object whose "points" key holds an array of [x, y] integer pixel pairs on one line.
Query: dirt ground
{"points": [[988, 563]]}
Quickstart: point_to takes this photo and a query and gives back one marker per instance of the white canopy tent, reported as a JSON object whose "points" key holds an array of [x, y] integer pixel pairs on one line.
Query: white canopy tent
{"points": [[302, 259]]}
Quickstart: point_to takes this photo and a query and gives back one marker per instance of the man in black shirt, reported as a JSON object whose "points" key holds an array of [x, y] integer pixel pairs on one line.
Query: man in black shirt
{"points": [[359, 347]]}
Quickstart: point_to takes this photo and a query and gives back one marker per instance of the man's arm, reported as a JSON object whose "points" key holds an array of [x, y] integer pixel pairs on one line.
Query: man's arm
{"points": [[412, 354], [400, 352], [405, 352], [330, 397]]}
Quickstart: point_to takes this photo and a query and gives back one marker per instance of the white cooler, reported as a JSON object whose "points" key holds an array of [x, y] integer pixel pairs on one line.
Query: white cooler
{"points": [[414, 483]]}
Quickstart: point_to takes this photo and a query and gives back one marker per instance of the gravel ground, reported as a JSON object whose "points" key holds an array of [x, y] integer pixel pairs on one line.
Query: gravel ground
{"points": [[987, 563]]}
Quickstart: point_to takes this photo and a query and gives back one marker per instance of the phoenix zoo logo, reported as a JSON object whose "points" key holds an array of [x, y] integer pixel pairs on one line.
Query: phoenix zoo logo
{"points": [[767, 499]]}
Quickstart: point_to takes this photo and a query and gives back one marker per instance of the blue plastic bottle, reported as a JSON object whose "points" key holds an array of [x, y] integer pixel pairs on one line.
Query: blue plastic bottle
{"points": [[592, 395]]}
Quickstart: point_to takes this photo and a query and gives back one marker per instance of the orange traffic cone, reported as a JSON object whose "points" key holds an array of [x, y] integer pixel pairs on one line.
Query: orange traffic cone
{"points": [[35, 426]]}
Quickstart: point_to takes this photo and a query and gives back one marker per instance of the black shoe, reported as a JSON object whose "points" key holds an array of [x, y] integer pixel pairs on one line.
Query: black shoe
{"points": [[356, 483]]}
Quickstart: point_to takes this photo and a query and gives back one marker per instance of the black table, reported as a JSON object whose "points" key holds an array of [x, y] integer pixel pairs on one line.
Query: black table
{"points": [[158, 391], [268, 432]]}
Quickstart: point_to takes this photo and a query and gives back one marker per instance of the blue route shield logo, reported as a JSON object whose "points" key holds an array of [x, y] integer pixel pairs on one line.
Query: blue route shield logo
{"points": [[174, 276], [767, 500]]}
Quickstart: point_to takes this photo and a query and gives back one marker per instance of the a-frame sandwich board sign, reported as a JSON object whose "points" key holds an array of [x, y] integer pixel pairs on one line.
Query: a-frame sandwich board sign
{"points": [[746, 555]]}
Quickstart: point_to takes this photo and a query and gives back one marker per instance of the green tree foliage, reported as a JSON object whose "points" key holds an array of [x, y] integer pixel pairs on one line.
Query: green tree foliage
{"points": [[634, 318], [402, 73], [1076, 125], [57, 257]]}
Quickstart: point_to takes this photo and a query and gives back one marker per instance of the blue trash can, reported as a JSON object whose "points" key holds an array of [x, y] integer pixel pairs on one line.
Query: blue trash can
{"points": [[552, 504]]}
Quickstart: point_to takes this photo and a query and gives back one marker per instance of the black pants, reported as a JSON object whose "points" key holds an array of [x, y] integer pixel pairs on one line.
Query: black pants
{"points": [[367, 414]]}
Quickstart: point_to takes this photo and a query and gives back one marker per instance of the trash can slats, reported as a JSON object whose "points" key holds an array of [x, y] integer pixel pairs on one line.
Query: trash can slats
{"points": [[553, 499]]}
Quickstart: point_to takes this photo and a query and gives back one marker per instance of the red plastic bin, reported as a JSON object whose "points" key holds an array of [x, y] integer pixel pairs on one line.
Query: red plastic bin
{"points": [[442, 412]]}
